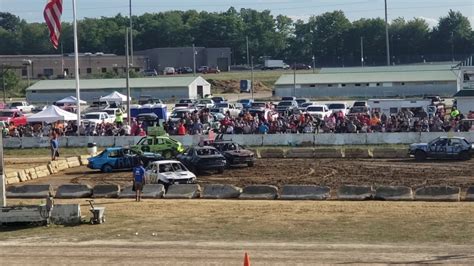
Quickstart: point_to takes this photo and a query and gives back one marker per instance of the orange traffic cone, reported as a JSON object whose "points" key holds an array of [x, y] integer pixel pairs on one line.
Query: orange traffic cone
{"points": [[246, 260]]}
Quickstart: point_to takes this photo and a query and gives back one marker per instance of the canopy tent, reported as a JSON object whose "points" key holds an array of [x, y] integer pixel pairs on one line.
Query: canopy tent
{"points": [[70, 100], [52, 114], [114, 97]]}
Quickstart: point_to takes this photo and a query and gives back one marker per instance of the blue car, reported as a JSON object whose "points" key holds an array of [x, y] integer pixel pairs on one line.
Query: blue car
{"points": [[118, 158], [246, 103]]}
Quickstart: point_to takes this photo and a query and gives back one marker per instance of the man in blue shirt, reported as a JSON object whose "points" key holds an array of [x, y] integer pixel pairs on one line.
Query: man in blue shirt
{"points": [[138, 180]]}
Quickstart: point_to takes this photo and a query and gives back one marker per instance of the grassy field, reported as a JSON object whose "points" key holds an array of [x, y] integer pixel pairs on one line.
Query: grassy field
{"points": [[267, 221]]}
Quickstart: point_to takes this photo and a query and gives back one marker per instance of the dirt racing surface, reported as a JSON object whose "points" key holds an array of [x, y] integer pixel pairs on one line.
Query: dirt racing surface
{"points": [[328, 172]]}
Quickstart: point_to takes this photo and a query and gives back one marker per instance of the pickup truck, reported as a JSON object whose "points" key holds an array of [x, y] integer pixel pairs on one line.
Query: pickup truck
{"points": [[13, 117], [22, 106], [224, 107], [98, 117]]}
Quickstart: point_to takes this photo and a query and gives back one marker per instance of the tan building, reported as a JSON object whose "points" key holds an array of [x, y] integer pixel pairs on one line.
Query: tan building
{"points": [[56, 66]]}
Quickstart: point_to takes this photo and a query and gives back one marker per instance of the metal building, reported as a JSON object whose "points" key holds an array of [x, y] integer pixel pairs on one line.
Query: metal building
{"points": [[369, 82], [159, 58], [56, 65], [166, 88]]}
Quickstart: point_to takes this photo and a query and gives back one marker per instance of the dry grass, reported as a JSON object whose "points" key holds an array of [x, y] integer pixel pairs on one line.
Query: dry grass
{"points": [[282, 221]]}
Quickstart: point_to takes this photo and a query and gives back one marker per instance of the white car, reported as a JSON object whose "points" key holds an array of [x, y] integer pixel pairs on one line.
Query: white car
{"points": [[318, 110], [98, 117], [204, 103], [179, 114], [113, 111], [224, 107], [169, 172], [336, 107]]}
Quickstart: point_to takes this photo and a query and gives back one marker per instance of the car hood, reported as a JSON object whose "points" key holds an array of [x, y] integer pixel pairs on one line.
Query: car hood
{"points": [[178, 175]]}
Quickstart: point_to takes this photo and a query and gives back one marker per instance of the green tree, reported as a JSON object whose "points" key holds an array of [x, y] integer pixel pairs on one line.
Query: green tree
{"points": [[453, 32]]}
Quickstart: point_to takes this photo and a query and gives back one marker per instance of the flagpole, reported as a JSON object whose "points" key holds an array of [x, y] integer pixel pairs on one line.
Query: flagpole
{"points": [[76, 66]]}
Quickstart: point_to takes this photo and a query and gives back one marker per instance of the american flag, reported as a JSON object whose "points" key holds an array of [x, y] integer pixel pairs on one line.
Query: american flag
{"points": [[52, 16]]}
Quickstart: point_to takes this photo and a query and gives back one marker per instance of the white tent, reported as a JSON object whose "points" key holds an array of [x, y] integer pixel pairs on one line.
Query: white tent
{"points": [[52, 114], [70, 100], [114, 97]]}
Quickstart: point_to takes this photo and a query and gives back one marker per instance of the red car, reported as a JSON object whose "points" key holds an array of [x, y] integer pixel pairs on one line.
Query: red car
{"points": [[13, 117]]}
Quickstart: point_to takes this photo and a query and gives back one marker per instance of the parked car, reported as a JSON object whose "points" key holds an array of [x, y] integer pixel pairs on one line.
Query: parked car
{"points": [[224, 107], [287, 106], [207, 69], [169, 172], [187, 100], [336, 107], [199, 159], [22, 107], [118, 158], [300, 101], [442, 148], [302, 107], [288, 98], [318, 110], [360, 104], [246, 103], [358, 110], [98, 117], [147, 99], [180, 106], [218, 99], [234, 153], [204, 103], [150, 73], [169, 71], [266, 113], [164, 145], [258, 105], [184, 70], [300, 66], [180, 113], [13, 117]]}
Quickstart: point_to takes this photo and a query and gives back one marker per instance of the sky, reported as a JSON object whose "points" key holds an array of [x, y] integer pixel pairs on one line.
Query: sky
{"points": [[430, 10]]}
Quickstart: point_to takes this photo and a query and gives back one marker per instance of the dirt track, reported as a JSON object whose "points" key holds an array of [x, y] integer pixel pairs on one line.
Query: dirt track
{"points": [[330, 172]]}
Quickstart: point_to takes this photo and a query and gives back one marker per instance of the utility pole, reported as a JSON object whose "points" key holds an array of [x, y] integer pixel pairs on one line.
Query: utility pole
{"points": [[248, 58], [452, 46], [129, 117], [314, 64], [251, 76], [131, 31], [4, 86], [386, 35], [294, 79], [362, 51], [194, 60]]}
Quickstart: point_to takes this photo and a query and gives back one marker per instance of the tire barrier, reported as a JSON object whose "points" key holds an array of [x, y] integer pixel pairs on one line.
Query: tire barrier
{"points": [[395, 193], [328, 153], [105, 191], [259, 192], [30, 191], [73, 191], [150, 191], [303, 192], [183, 191], [356, 153], [271, 153], [438, 193], [300, 153], [350, 192], [218, 191]]}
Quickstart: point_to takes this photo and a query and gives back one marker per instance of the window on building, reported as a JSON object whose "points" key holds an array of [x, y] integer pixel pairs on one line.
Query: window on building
{"points": [[312, 85], [403, 83], [104, 70], [367, 84], [393, 110], [378, 84], [33, 91], [24, 72], [357, 84], [66, 71], [48, 72], [329, 85], [343, 85], [137, 69], [89, 70]]}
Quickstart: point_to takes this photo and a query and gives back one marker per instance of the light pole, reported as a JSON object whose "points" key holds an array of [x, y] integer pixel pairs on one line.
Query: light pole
{"points": [[251, 75], [129, 117], [131, 31], [194, 60], [452, 46], [294, 79], [362, 51], [314, 64], [248, 58], [27, 64], [386, 35]]}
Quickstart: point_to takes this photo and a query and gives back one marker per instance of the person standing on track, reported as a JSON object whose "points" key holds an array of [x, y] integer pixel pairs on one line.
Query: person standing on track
{"points": [[138, 180], [54, 144]]}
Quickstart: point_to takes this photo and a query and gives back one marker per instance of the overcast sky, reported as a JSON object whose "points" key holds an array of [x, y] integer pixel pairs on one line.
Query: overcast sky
{"points": [[431, 10]]}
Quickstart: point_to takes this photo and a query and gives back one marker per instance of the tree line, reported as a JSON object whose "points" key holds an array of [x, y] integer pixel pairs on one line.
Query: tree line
{"points": [[330, 37]]}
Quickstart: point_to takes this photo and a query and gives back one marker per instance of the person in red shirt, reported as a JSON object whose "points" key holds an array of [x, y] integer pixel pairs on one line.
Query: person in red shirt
{"points": [[181, 129]]}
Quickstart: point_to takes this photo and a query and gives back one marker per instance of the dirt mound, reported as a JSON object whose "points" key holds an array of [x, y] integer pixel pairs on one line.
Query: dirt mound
{"points": [[233, 86]]}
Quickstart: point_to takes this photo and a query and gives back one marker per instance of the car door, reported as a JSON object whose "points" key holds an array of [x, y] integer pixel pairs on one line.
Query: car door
{"points": [[152, 173], [437, 149], [454, 147]]}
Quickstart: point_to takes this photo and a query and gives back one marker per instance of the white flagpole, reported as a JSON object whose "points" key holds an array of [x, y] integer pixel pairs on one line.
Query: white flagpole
{"points": [[76, 66]]}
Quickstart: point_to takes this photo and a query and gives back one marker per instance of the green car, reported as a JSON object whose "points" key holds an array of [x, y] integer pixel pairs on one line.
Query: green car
{"points": [[163, 145]]}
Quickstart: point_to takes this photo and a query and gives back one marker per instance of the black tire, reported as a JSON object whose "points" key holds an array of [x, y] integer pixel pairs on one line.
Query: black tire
{"points": [[107, 168], [464, 155], [250, 164], [420, 155], [167, 154]]}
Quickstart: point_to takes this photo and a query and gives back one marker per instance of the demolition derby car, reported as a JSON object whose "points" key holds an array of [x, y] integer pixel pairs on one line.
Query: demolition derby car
{"points": [[205, 158], [442, 148], [234, 153], [118, 158], [169, 172]]}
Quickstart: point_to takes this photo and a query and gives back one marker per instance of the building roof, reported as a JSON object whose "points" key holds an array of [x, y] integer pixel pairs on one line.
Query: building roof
{"points": [[368, 77], [398, 68], [464, 93], [90, 84]]}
